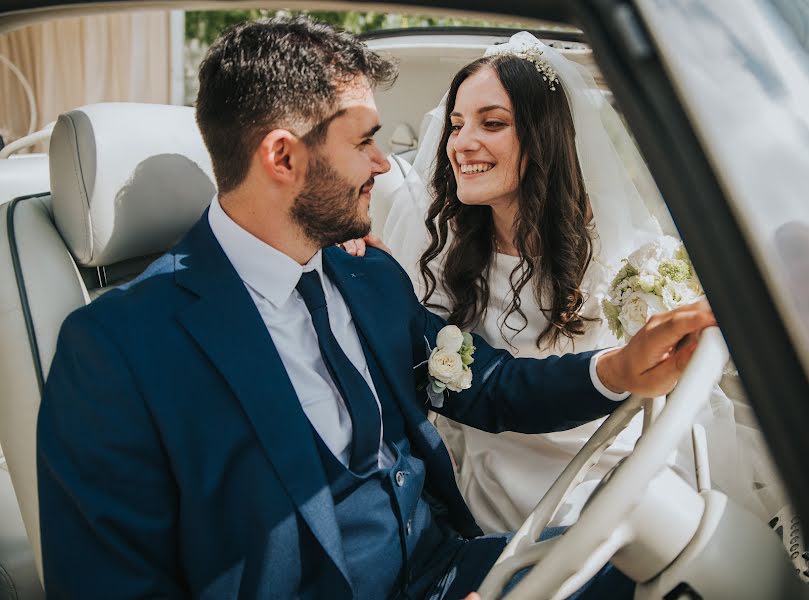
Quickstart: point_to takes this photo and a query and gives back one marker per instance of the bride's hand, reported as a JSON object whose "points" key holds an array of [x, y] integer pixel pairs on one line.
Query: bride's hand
{"points": [[357, 247]]}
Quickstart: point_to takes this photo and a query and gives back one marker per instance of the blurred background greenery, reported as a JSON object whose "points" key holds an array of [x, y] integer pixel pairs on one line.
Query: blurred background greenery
{"points": [[206, 25], [202, 28]]}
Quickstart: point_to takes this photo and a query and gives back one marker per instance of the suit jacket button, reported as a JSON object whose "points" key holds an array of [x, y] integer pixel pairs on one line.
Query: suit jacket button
{"points": [[408, 527], [399, 478]]}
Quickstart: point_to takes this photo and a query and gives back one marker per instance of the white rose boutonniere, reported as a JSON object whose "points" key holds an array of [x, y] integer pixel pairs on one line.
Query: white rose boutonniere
{"points": [[448, 365]]}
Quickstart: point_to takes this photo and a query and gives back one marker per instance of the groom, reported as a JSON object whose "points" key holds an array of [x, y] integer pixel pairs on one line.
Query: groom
{"points": [[245, 420]]}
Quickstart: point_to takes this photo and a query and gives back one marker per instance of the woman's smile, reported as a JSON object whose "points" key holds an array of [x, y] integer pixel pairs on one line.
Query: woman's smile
{"points": [[475, 168]]}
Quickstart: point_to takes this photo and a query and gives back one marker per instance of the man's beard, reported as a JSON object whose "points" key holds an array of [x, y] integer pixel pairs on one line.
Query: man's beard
{"points": [[326, 208]]}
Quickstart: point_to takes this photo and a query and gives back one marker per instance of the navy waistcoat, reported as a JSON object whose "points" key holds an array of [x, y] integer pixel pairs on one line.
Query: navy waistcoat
{"points": [[389, 536]]}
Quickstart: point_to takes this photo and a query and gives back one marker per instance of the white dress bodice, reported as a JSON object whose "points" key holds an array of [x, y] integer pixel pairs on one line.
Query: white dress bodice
{"points": [[503, 476]]}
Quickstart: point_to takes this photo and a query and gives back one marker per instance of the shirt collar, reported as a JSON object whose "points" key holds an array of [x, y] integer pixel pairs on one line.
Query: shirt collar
{"points": [[269, 272]]}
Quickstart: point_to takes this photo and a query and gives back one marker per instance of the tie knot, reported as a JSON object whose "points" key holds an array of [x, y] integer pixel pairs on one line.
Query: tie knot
{"points": [[310, 288]]}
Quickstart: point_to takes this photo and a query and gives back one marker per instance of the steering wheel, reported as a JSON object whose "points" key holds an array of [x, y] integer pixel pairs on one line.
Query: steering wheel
{"points": [[621, 520]]}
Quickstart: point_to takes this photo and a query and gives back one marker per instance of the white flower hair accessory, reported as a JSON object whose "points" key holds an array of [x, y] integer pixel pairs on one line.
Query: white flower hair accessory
{"points": [[448, 364], [531, 49]]}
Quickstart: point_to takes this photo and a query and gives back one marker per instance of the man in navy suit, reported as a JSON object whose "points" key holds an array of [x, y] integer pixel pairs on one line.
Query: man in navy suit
{"points": [[244, 420]]}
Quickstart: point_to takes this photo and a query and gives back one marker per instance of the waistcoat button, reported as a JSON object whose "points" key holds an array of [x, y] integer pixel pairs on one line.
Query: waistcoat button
{"points": [[408, 527]]}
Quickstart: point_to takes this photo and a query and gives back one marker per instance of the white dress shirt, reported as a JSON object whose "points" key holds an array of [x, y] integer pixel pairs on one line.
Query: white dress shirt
{"points": [[270, 277]]}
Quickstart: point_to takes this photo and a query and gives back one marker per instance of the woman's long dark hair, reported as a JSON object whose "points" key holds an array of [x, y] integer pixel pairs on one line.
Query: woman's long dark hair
{"points": [[551, 231]]}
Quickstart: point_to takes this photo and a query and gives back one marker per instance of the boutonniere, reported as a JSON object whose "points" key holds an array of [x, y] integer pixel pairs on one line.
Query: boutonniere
{"points": [[448, 365]]}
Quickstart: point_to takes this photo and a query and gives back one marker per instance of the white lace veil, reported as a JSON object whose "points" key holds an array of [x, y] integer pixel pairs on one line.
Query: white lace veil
{"points": [[627, 208]]}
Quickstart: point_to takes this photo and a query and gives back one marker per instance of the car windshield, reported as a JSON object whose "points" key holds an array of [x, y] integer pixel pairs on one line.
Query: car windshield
{"points": [[749, 98]]}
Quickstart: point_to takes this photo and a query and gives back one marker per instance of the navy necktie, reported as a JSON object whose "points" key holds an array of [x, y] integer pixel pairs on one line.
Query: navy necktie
{"points": [[366, 421]]}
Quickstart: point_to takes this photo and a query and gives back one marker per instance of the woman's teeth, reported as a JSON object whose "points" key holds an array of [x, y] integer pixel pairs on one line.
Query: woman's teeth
{"points": [[476, 168]]}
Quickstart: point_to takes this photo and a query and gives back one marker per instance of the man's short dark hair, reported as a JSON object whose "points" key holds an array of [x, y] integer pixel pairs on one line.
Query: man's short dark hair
{"points": [[276, 73]]}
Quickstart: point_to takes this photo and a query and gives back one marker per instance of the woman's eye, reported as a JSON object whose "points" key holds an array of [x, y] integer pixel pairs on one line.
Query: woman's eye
{"points": [[455, 127], [493, 124]]}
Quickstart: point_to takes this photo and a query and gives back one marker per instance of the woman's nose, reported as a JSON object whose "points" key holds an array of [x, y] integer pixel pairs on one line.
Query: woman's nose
{"points": [[466, 140]]}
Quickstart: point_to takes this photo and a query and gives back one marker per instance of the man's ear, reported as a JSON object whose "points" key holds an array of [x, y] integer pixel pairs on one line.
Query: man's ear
{"points": [[282, 156]]}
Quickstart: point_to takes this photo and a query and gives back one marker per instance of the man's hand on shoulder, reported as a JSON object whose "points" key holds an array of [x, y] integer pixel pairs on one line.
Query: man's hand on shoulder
{"points": [[653, 360]]}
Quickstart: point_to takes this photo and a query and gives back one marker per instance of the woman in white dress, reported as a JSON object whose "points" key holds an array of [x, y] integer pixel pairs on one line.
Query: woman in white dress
{"points": [[529, 210]]}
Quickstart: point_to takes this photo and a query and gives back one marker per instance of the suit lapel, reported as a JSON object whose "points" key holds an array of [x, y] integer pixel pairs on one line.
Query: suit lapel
{"points": [[229, 329], [382, 326]]}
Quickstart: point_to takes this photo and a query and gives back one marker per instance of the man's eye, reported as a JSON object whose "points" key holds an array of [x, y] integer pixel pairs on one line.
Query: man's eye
{"points": [[367, 142]]}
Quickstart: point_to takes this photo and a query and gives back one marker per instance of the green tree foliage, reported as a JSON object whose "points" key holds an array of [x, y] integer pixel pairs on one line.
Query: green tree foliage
{"points": [[206, 25]]}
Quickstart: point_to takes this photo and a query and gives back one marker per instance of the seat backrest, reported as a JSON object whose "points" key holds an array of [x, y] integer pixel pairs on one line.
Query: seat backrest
{"points": [[126, 182], [23, 174]]}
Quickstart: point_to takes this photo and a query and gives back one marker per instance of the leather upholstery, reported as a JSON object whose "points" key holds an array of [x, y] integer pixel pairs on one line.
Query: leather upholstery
{"points": [[23, 174], [127, 179]]}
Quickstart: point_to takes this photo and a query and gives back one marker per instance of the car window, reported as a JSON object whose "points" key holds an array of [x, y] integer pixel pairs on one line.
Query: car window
{"points": [[743, 77]]}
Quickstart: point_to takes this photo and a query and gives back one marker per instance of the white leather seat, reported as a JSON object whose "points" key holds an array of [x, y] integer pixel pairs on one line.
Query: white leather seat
{"points": [[127, 181], [23, 174], [19, 176]]}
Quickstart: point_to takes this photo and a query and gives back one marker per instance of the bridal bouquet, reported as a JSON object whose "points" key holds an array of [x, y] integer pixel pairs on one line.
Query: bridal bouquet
{"points": [[655, 278]]}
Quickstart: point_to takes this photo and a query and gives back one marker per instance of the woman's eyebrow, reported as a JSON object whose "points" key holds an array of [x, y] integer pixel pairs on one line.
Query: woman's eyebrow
{"points": [[482, 109]]}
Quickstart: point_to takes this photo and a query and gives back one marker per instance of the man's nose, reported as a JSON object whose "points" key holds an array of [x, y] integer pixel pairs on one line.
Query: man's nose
{"points": [[381, 163]]}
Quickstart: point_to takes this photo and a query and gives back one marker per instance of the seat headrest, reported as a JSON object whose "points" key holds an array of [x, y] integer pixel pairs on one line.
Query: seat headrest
{"points": [[127, 180]]}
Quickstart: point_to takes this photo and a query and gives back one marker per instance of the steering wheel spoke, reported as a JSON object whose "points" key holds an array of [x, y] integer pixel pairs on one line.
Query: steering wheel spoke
{"points": [[619, 520]]}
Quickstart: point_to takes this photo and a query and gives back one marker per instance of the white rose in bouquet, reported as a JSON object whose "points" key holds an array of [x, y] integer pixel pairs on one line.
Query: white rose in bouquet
{"points": [[637, 309], [655, 278]]}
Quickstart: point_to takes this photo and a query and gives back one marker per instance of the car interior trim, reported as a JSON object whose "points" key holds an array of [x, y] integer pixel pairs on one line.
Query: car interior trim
{"points": [[20, 279]]}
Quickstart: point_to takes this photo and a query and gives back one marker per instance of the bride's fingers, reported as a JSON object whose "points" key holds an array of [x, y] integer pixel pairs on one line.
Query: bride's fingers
{"points": [[376, 242], [354, 247]]}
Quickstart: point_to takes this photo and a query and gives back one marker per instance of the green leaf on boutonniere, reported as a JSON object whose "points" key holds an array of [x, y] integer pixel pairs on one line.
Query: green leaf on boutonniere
{"points": [[438, 386]]}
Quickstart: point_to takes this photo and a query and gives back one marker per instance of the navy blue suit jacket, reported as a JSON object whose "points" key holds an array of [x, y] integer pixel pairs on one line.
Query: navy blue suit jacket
{"points": [[175, 460]]}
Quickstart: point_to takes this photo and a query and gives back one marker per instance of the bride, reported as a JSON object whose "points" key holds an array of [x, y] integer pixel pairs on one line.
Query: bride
{"points": [[529, 210]]}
